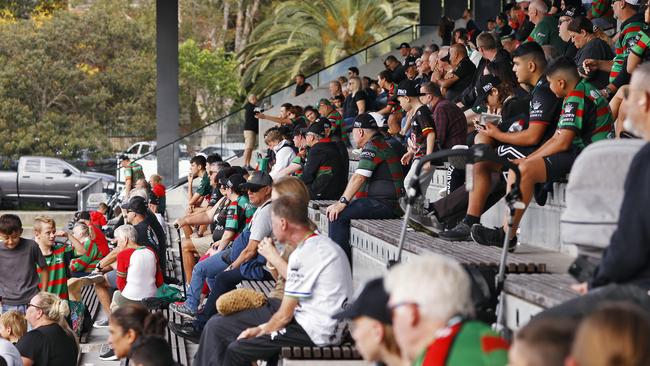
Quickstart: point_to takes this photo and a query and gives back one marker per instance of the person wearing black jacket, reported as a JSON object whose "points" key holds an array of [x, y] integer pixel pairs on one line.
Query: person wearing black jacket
{"points": [[324, 172]]}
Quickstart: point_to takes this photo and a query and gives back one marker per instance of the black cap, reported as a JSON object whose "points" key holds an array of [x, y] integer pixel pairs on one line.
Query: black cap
{"points": [[124, 157], [257, 180], [320, 127], [153, 199], [408, 88], [572, 12], [136, 204], [410, 61], [487, 83], [371, 302], [446, 58], [235, 181], [403, 45], [365, 120]]}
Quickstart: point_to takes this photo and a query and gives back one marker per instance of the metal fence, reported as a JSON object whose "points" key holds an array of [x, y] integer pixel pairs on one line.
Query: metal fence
{"points": [[85, 195]]}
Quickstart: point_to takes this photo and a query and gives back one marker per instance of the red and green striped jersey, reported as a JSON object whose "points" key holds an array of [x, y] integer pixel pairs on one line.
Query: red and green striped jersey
{"points": [[383, 171], [601, 8], [626, 40], [640, 47], [587, 113], [58, 281], [300, 160], [239, 214], [336, 123], [395, 107], [465, 343], [134, 171], [88, 261]]}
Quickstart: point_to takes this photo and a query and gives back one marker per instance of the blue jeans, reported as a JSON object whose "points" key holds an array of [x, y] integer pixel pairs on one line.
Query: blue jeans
{"points": [[205, 269], [19, 308], [219, 285], [362, 208]]}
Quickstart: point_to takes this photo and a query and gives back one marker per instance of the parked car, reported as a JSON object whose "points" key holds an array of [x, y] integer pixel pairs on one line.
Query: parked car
{"points": [[86, 160], [225, 151], [44, 180], [139, 150]]}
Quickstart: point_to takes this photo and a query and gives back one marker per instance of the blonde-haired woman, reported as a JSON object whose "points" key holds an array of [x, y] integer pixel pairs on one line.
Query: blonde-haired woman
{"points": [[51, 341]]}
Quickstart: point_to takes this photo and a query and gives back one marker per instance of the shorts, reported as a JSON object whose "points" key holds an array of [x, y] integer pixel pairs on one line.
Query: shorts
{"points": [[202, 244], [559, 165], [111, 277], [512, 152], [250, 139], [119, 300]]}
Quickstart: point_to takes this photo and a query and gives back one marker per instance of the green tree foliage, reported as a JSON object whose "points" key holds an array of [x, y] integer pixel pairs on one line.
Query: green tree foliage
{"points": [[27, 8], [70, 79], [209, 80], [303, 36]]}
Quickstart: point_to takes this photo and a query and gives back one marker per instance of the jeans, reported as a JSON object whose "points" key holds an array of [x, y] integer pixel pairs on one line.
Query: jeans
{"points": [[204, 270], [362, 208], [219, 285], [19, 308]]}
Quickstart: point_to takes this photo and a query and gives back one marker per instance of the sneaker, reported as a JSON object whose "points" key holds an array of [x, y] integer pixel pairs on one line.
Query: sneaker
{"points": [[95, 277], [101, 323], [186, 331], [108, 356], [460, 232], [183, 310], [491, 237]]}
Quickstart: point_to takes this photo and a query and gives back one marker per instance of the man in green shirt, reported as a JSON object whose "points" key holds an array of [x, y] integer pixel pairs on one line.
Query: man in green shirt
{"points": [[431, 306], [546, 27], [197, 172], [132, 173], [585, 118]]}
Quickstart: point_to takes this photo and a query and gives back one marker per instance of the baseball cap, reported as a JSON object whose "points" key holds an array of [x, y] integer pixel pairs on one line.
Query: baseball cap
{"points": [[371, 302], [136, 204], [379, 119], [124, 157], [403, 45], [487, 83], [410, 61], [365, 120], [318, 127], [235, 181], [153, 199], [572, 12], [257, 179], [408, 88], [633, 2], [326, 102]]}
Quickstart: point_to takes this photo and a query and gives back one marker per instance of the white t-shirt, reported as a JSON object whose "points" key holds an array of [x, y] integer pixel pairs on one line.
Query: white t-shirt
{"points": [[284, 154], [10, 353], [261, 222], [319, 276], [141, 277]]}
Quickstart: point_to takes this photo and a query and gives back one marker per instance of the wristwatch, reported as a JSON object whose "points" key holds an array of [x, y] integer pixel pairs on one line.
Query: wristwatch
{"points": [[344, 200]]}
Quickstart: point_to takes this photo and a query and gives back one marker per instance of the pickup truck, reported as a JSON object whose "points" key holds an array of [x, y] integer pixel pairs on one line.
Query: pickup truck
{"points": [[44, 180]]}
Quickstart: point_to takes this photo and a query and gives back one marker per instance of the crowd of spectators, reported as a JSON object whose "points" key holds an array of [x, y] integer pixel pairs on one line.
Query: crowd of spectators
{"points": [[538, 85]]}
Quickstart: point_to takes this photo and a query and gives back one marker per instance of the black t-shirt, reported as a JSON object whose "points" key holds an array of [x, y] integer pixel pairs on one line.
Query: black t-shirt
{"points": [[49, 345], [421, 125], [250, 122], [596, 49], [350, 108], [399, 74], [324, 172], [218, 226], [465, 73], [544, 108], [302, 88], [146, 236]]}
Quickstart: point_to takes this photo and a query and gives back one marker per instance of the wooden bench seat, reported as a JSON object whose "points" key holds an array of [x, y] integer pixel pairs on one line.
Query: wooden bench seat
{"points": [[342, 352], [529, 294]]}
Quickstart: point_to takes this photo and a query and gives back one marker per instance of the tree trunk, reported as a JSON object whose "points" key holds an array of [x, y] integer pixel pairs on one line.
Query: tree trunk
{"points": [[251, 14], [239, 25], [224, 28]]}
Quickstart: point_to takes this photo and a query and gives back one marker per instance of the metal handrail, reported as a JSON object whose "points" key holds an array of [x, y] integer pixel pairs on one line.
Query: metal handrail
{"points": [[81, 194], [413, 29]]}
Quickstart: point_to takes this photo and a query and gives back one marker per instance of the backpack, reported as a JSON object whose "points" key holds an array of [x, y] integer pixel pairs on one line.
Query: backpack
{"points": [[595, 193]]}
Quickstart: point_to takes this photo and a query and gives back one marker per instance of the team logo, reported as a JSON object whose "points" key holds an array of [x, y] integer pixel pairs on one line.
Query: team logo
{"points": [[568, 108], [366, 154], [537, 105], [595, 94]]}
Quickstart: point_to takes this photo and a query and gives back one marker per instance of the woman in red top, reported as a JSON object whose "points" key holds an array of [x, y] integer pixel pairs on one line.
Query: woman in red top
{"points": [[159, 190]]}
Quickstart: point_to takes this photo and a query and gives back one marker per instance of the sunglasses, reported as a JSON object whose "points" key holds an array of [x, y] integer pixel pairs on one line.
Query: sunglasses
{"points": [[254, 189]]}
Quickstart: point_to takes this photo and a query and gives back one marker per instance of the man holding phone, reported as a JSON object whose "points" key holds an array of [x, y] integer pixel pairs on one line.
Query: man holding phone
{"points": [[519, 140]]}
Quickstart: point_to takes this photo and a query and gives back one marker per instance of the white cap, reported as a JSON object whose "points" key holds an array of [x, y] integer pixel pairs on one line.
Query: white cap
{"points": [[378, 118], [633, 2]]}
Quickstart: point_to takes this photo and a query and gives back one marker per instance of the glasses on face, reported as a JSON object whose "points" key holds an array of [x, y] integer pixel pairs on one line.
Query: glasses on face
{"points": [[34, 306], [393, 307], [254, 189]]}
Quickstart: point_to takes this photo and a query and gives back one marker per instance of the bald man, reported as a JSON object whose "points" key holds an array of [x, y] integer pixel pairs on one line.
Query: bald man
{"points": [[462, 74]]}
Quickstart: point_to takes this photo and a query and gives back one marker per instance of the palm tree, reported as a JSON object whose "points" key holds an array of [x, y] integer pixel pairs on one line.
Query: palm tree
{"points": [[303, 36]]}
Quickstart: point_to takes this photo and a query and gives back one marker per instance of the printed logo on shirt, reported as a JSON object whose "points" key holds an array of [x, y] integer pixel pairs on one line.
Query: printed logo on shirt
{"points": [[367, 154], [536, 110], [569, 112], [595, 94]]}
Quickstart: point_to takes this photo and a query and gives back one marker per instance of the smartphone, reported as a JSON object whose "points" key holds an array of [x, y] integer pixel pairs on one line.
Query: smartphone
{"points": [[486, 118]]}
